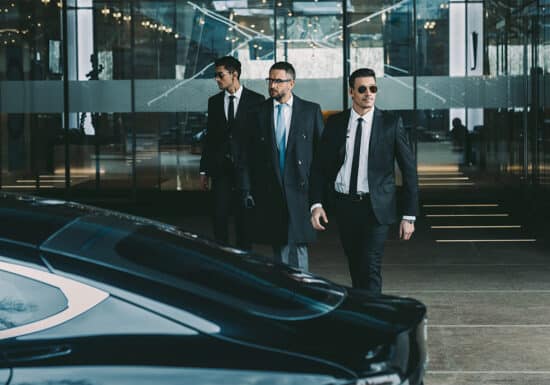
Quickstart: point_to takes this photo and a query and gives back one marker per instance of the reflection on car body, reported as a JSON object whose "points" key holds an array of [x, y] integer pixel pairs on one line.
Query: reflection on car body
{"points": [[94, 296]]}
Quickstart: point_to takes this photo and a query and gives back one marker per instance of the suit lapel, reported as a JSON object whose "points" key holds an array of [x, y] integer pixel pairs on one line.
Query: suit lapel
{"points": [[376, 131], [270, 134], [342, 134], [219, 107], [242, 104], [293, 130]]}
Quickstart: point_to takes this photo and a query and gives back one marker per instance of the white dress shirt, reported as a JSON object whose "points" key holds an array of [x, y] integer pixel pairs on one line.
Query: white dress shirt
{"points": [[287, 114], [341, 184], [237, 96], [343, 178]]}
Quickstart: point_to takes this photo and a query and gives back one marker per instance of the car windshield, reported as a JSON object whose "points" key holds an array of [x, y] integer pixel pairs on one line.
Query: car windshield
{"points": [[161, 252]]}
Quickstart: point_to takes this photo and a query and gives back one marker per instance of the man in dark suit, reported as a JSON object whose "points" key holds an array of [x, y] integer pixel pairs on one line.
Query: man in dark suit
{"points": [[356, 160], [284, 133], [227, 112]]}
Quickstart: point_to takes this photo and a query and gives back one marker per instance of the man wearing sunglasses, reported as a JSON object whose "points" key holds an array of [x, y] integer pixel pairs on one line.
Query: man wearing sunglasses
{"points": [[227, 112], [356, 162], [284, 132]]}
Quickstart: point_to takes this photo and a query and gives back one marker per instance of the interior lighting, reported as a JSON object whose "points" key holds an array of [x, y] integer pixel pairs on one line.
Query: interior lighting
{"points": [[105, 11], [464, 215], [127, 17], [478, 227], [485, 240], [446, 184], [433, 178], [45, 2], [117, 15], [463, 205]]}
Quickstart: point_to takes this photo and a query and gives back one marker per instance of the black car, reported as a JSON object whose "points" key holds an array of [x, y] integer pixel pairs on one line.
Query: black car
{"points": [[90, 296]]}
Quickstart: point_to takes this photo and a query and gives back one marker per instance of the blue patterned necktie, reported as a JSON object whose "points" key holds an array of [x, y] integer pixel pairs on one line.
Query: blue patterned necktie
{"points": [[280, 137]]}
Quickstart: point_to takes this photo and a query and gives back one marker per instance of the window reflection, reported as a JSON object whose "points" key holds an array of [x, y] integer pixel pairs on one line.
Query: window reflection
{"points": [[24, 300]]}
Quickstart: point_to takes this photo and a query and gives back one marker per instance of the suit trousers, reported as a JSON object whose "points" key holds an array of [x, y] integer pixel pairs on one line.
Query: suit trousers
{"points": [[227, 204], [295, 255], [362, 238]]}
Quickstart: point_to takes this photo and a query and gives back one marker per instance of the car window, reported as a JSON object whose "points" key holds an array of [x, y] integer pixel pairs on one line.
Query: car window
{"points": [[250, 283], [24, 300]]}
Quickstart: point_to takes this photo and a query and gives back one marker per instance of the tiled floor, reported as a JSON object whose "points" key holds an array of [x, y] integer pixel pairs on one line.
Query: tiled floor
{"points": [[488, 303]]}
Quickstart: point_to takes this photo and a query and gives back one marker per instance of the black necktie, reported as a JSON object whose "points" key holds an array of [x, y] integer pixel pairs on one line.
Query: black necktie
{"points": [[231, 112], [355, 162]]}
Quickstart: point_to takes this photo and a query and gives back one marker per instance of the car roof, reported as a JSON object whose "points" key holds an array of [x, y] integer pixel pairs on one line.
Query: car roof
{"points": [[109, 245]]}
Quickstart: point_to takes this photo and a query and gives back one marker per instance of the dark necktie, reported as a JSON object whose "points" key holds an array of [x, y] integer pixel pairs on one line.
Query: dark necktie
{"points": [[231, 112], [355, 162]]}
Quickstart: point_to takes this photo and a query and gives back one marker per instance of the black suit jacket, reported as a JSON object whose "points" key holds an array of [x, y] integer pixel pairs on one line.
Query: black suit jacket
{"points": [[221, 146], [388, 142], [281, 200]]}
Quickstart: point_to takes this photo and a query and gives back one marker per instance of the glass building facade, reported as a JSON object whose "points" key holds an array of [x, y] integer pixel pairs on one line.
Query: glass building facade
{"points": [[111, 96]]}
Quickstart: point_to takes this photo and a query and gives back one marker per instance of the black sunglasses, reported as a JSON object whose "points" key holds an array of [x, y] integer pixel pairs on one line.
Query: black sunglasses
{"points": [[220, 75], [277, 81], [372, 89]]}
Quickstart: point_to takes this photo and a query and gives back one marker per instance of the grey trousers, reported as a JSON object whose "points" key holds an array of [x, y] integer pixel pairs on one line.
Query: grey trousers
{"points": [[293, 255]]}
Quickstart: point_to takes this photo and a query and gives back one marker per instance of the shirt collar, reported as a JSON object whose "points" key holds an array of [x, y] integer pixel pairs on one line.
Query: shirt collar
{"points": [[354, 115], [237, 93], [289, 102]]}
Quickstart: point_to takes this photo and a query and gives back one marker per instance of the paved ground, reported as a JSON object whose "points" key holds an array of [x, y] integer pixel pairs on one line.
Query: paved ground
{"points": [[484, 276]]}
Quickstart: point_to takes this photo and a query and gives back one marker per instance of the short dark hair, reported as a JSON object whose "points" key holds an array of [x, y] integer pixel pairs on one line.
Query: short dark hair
{"points": [[230, 63], [361, 73], [286, 66]]}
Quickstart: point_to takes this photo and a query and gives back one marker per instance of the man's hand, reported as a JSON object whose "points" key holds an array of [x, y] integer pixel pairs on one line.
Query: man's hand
{"points": [[204, 181], [406, 229], [317, 215]]}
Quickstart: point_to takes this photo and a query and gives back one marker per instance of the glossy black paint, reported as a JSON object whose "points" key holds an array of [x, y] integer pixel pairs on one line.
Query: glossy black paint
{"points": [[270, 317]]}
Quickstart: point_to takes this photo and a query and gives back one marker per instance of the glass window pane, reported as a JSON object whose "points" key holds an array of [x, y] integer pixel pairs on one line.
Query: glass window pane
{"points": [[31, 96], [309, 36], [23, 300]]}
